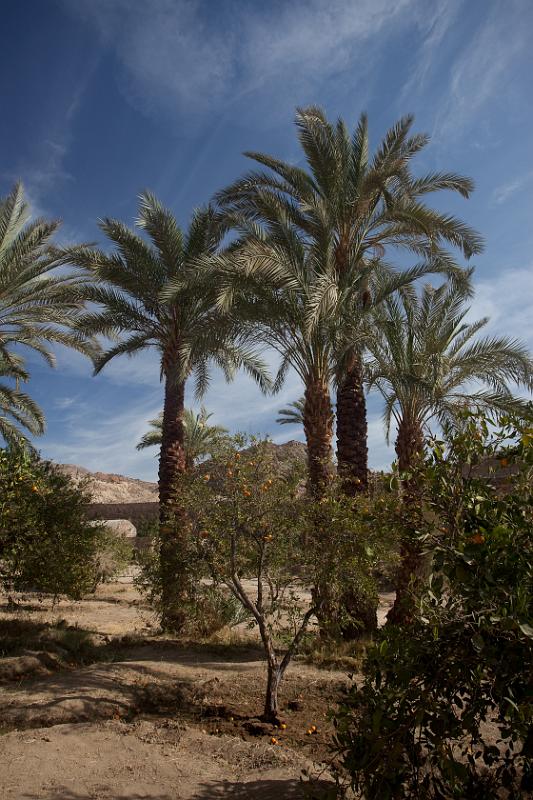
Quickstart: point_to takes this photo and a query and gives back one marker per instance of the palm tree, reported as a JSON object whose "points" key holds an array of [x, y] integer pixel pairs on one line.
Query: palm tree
{"points": [[186, 332], [266, 281], [39, 305], [17, 409], [349, 208], [269, 280], [200, 438], [293, 414], [428, 364]]}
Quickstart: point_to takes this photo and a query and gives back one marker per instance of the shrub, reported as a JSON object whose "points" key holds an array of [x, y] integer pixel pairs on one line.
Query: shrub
{"points": [[46, 542], [252, 531], [446, 706], [113, 555]]}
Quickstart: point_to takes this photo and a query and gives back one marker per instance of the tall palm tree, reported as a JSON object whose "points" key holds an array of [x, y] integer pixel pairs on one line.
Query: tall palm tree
{"points": [[186, 332], [269, 280], [200, 438], [349, 208], [293, 414], [428, 364], [39, 305]]}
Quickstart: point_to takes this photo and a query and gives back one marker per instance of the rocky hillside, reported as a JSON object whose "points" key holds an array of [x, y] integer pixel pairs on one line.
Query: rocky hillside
{"points": [[107, 487]]}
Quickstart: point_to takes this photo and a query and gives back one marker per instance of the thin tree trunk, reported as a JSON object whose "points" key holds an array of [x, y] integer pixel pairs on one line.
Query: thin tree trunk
{"points": [[274, 676], [171, 466], [409, 444], [318, 427], [352, 428]]}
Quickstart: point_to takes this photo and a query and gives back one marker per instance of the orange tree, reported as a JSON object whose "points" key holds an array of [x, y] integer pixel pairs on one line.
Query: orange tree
{"points": [[255, 534], [446, 706], [46, 542]]}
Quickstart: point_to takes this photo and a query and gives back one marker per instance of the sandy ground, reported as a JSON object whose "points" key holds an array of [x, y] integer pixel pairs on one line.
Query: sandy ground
{"points": [[142, 760], [151, 718]]}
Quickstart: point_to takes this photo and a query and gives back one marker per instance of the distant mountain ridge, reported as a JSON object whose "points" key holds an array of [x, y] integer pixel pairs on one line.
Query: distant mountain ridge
{"points": [[108, 487]]}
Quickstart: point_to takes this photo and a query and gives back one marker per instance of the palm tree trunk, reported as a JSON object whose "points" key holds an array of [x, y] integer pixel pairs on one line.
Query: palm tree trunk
{"points": [[409, 444], [171, 466], [352, 428], [318, 427], [352, 457]]}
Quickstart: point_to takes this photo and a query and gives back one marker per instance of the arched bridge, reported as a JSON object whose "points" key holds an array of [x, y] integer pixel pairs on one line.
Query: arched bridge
{"points": [[134, 512]]}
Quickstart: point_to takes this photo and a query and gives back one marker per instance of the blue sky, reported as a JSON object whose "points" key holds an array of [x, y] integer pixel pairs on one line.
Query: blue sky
{"points": [[103, 98]]}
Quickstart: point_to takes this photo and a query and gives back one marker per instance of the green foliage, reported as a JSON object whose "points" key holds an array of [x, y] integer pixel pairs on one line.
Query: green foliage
{"points": [[17, 409], [353, 541], [154, 292], [425, 359], [39, 306], [200, 439], [46, 542], [446, 706], [249, 530], [238, 504], [215, 609], [293, 414], [114, 554]]}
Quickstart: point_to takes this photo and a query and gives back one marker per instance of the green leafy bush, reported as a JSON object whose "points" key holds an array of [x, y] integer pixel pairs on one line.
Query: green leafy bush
{"points": [[251, 530], [446, 706], [46, 543]]}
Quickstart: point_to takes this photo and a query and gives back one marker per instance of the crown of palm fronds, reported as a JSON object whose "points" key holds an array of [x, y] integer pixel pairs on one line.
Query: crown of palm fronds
{"points": [[266, 283], [39, 305], [200, 437], [349, 206], [158, 292], [310, 242], [426, 361]]}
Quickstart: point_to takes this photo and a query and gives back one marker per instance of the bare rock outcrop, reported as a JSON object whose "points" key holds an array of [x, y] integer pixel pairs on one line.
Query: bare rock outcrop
{"points": [[106, 487]]}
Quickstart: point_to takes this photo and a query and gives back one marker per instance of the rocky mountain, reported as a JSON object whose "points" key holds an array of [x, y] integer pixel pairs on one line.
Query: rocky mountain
{"points": [[107, 487]]}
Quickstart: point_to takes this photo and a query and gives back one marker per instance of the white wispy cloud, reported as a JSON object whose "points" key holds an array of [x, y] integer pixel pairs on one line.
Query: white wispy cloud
{"points": [[190, 55], [380, 454], [435, 22], [506, 300], [106, 442], [502, 193], [43, 170], [64, 402], [481, 72]]}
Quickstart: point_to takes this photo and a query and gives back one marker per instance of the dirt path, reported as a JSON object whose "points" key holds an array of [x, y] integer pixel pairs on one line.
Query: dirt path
{"points": [[153, 719], [136, 729], [109, 760]]}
